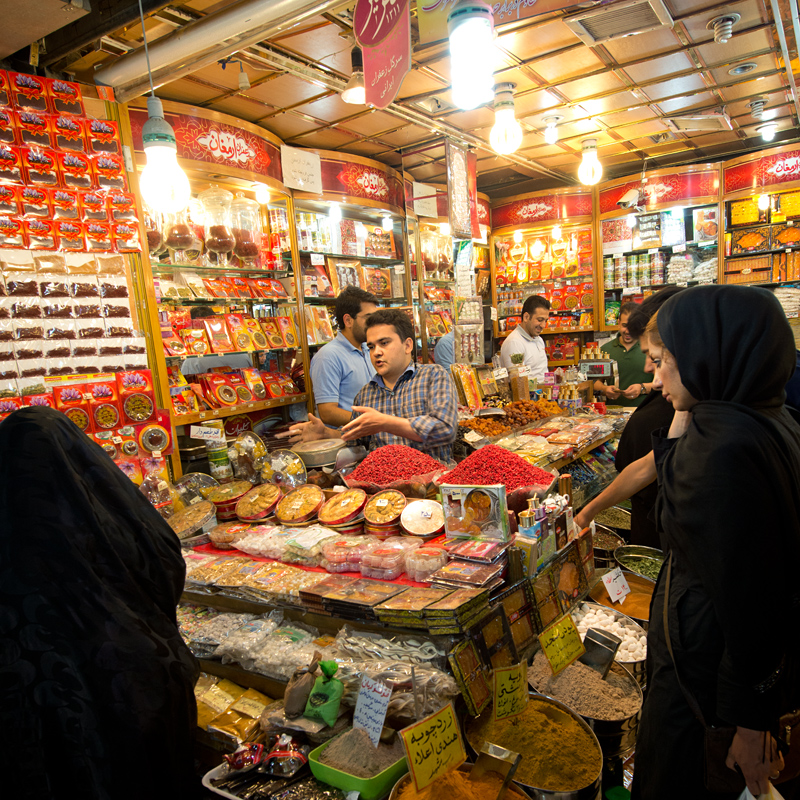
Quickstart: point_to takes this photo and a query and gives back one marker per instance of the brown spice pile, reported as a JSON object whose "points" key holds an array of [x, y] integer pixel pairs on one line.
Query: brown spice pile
{"points": [[456, 784], [354, 753], [585, 691]]}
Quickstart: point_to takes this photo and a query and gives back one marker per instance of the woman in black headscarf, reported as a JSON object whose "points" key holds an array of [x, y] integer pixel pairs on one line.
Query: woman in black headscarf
{"points": [[96, 685], [729, 512]]}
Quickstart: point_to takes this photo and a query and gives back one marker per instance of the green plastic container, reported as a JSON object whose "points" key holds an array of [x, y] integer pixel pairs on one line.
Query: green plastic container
{"points": [[369, 788]]}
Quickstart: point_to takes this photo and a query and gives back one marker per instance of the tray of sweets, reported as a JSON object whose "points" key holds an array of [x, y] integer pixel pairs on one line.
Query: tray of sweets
{"points": [[461, 602], [300, 505], [412, 601], [465, 572], [258, 503], [364, 592], [343, 507], [385, 508], [754, 240], [482, 551]]}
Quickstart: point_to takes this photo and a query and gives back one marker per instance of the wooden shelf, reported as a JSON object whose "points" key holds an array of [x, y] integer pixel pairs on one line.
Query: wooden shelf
{"points": [[161, 266], [232, 353], [217, 301], [242, 408], [551, 331], [772, 252], [379, 259]]}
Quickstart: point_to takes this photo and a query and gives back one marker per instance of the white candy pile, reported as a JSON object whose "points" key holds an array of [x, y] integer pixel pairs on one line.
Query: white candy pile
{"points": [[634, 641]]}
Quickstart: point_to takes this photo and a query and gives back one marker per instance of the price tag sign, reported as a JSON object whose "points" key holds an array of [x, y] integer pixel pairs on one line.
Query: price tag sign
{"points": [[317, 259], [510, 691], [500, 373], [433, 746], [399, 268], [371, 707], [679, 248], [524, 370], [207, 434], [493, 314], [616, 585], [652, 251], [473, 436], [561, 643], [156, 454]]}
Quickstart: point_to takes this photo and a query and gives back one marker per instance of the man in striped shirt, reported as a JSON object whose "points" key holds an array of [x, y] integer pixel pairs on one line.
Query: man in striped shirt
{"points": [[404, 403]]}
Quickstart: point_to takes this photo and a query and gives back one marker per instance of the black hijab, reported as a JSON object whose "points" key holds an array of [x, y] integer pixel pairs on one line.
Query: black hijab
{"points": [[729, 496], [95, 682]]}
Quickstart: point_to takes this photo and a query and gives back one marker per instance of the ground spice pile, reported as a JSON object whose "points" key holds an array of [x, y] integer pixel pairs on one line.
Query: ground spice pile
{"points": [[493, 464], [456, 784], [354, 753], [559, 755], [394, 462], [585, 691]]}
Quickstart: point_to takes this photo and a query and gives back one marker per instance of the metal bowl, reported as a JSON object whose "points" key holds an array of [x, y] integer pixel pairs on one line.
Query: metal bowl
{"points": [[319, 454], [640, 551]]}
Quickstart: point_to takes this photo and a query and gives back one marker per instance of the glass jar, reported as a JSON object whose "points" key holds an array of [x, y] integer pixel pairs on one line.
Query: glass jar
{"points": [[178, 236], [246, 222], [153, 225], [217, 209]]}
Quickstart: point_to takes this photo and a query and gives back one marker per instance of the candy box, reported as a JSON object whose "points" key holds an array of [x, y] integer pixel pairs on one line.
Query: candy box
{"points": [[5, 92], [11, 164], [243, 391], [28, 91], [64, 97], [40, 166], [92, 206], [103, 136], [195, 341], [41, 234], [477, 511], [240, 285], [9, 198], [288, 331], [8, 405], [99, 237], [45, 399], [64, 204], [33, 129], [173, 345], [122, 206], [155, 437], [238, 332], [76, 171], [104, 402], [12, 233], [256, 334], [135, 388], [73, 401], [218, 335], [126, 237], [271, 385], [253, 381], [35, 202], [272, 332], [70, 235], [221, 389], [109, 169], [132, 468]]}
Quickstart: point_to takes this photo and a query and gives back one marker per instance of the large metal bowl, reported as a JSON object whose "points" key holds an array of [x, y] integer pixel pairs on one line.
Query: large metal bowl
{"points": [[639, 551]]}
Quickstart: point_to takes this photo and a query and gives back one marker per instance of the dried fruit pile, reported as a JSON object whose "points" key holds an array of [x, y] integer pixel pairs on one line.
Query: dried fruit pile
{"points": [[493, 464], [394, 462]]}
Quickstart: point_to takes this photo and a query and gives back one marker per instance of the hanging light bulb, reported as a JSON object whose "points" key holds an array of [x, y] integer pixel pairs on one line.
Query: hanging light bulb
{"points": [[386, 223], [537, 248], [244, 81], [556, 233], [517, 237], [763, 202], [444, 228], [355, 93], [262, 194], [767, 131], [163, 183], [335, 212], [551, 131], [506, 135], [591, 170], [472, 53]]}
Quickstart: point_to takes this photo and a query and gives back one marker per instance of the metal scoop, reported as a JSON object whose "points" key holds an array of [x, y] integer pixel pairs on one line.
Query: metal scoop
{"points": [[493, 758], [348, 457], [601, 647]]}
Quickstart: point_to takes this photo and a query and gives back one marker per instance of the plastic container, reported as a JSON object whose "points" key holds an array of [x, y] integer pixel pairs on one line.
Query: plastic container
{"points": [[225, 535], [343, 507], [422, 562], [300, 505], [258, 503], [284, 468], [385, 508], [424, 518], [319, 454], [368, 788], [382, 574], [386, 562], [196, 518], [226, 496], [349, 550]]}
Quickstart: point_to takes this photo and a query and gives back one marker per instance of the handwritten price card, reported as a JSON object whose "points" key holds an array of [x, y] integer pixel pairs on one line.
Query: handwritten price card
{"points": [[371, 707], [510, 691], [616, 585], [433, 746], [561, 643]]}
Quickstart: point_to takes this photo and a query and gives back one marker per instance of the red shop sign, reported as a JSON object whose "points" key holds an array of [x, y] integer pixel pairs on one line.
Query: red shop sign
{"points": [[361, 180], [216, 143], [544, 208], [766, 171], [373, 20], [665, 189]]}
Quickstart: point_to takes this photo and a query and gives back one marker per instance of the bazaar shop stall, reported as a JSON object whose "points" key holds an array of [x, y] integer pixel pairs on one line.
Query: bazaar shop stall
{"points": [[662, 227], [223, 290], [761, 217], [543, 243]]}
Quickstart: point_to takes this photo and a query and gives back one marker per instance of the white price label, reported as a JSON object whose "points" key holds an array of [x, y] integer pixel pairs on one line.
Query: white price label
{"points": [[616, 585], [116, 439], [195, 499], [524, 370], [156, 454], [371, 707], [382, 503], [207, 434], [317, 259], [679, 248], [161, 486], [493, 314], [500, 373], [652, 251], [473, 436]]}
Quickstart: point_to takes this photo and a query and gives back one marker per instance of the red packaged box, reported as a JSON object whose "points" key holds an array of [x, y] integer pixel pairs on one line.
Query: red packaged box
{"points": [[70, 235], [221, 391], [243, 392], [218, 335], [28, 91], [11, 165], [122, 207], [132, 469], [41, 234], [272, 385], [173, 346], [109, 170], [98, 237], [195, 341], [35, 202], [103, 136], [65, 97], [76, 171], [64, 203], [92, 206], [135, 390], [8, 127], [73, 401], [126, 238], [104, 403], [45, 399], [8, 405], [155, 437], [12, 233], [33, 129], [68, 132], [9, 198], [40, 166], [240, 286], [5, 93]]}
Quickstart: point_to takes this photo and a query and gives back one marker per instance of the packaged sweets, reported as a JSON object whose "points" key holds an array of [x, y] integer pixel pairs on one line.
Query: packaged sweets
{"points": [[71, 401], [225, 535], [385, 508], [103, 136], [300, 505], [323, 702], [256, 334], [343, 507], [258, 503], [136, 395], [64, 97], [218, 335], [28, 91], [240, 720], [109, 169], [104, 403], [422, 562], [195, 518], [238, 332], [69, 132]]}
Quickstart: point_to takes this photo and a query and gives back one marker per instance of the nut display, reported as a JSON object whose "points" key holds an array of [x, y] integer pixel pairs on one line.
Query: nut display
{"points": [[259, 502], [523, 412], [300, 505]]}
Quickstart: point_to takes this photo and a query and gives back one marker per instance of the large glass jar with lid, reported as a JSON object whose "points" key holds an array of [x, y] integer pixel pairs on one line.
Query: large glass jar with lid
{"points": [[246, 226], [219, 234], [178, 236]]}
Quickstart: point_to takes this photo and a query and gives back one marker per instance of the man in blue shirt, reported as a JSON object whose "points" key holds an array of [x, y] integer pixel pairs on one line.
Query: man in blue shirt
{"points": [[404, 403], [342, 366], [443, 353]]}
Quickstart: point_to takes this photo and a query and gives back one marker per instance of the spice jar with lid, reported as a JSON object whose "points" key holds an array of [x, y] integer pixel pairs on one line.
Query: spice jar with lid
{"points": [[177, 236], [217, 210], [246, 227]]}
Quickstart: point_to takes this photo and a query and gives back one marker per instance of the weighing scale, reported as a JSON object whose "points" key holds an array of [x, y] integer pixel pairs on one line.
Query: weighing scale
{"points": [[597, 368]]}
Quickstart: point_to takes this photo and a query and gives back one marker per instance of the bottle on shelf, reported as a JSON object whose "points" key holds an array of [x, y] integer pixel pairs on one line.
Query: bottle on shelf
{"points": [[178, 236], [219, 236], [246, 228]]}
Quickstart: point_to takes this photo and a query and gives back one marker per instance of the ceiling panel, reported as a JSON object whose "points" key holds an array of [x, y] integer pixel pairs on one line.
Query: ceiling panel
{"points": [[696, 26], [419, 82], [637, 114], [241, 107], [685, 104], [590, 87], [613, 102], [679, 86], [568, 65], [287, 125], [324, 140], [738, 48], [753, 88], [537, 41], [284, 91], [374, 123], [654, 68], [653, 43]]}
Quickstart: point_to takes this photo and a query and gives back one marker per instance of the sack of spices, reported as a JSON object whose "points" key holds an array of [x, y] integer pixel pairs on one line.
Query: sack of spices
{"points": [[299, 688], [323, 702]]}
